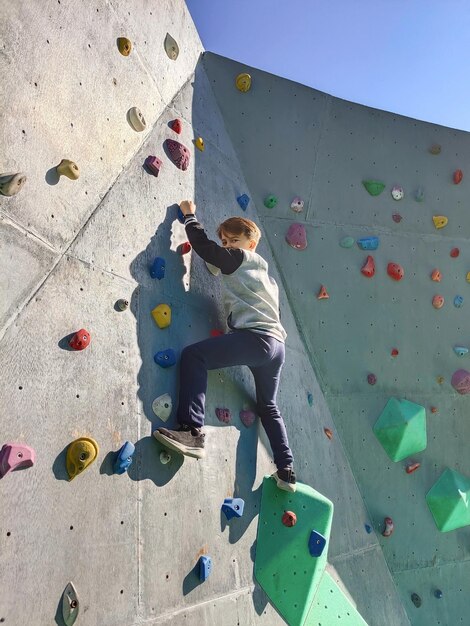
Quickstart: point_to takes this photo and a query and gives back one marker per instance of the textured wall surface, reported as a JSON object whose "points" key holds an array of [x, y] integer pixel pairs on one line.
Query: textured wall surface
{"points": [[294, 141]]}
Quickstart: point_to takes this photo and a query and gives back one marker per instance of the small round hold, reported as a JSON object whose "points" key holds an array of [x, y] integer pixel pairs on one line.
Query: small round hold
{"points": [[438, 594], [243, 82], [270, 202], [289, 519], [371, 379], [436, 276], [438, 302], [297, 205], [434, 409], [397, 192], [458, 301], [397, 218], [457, 177], [435, 149], [368, 528], [137, 120], [122, 304], [11, 184], [416, 600], [454, 253], [171, 47], [395, 271], [69, 169], [347, 242], [440, 380], [124, 46], [389, 527], [165, 457], [394, 352], [199, 143]]}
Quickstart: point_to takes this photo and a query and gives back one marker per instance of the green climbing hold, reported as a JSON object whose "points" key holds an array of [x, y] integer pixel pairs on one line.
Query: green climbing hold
{"points": [[401, 428], [270, 202], [283, 565], [347, 242], [374, 187], [448, 501]]}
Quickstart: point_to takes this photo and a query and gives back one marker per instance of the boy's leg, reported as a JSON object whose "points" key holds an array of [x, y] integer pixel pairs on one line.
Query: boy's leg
{"points": [[267, 378], [236, 348]]}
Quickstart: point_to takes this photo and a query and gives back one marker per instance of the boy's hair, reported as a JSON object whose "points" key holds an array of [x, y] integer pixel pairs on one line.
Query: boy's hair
{"points": [[240, 226]]}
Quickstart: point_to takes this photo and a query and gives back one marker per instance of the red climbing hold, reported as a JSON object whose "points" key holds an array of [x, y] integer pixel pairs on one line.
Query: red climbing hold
{"points": [[328, 433], [247, 417], [412, 467], [458, 175], [368, 269], [177, 126], [179, 154], [388, 530], [454, 253], [395, 271], [394, 352], [396, 217], [184, 248], [215, 332], [322, 294], [223, 415], [434, 409], [289, 519], [80, 340]]}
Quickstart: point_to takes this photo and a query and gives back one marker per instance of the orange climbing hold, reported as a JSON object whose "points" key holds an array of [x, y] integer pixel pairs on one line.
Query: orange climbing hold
{"points": [[368, 269], [436, 276], [434, 409], [322, 294], [457, 178], [412, 467], [328, 433]]}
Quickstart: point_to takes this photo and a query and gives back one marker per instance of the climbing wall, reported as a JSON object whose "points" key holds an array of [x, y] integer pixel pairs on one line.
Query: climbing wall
{"points": [[374, 338]]}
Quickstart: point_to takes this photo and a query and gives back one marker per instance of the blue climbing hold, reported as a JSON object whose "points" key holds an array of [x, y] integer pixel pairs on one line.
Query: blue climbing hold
{"points": [[124, 458], [310, 399], [316, 543], [205, 567], [368, 243], [157, 269], [243, 201], [368, 528], [460, 350], [233, 507], [438, 594], [458, 301], [165, 358], [180, 216]]}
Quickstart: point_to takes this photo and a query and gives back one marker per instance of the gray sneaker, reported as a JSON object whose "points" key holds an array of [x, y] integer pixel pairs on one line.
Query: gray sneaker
{"points": [[186, 440], [285, 479]]}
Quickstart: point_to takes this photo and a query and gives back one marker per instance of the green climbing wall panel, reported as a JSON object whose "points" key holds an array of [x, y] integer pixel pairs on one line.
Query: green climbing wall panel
{"points": [[331, 606], [283, 565], [449, 499], [401, 428]]}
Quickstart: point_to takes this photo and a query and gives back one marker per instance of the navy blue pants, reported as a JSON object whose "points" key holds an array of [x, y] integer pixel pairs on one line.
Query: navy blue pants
{"points": [[264, 355]]}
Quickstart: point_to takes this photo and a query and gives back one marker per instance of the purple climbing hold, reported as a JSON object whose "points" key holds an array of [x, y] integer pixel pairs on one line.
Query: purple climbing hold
{"points": [[15, 456], [247, 417], [396, 217], [461, 381], [223, 415], [296, 236], [179, 154], [371, 379], [152, 165]]}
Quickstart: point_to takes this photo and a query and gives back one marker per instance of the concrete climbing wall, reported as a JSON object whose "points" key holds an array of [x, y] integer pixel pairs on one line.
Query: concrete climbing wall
{"points": [[70, 250], [294, 141]]}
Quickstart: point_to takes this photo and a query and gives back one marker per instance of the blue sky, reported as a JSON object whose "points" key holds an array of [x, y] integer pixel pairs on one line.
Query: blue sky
{"points": [[406, 56]]}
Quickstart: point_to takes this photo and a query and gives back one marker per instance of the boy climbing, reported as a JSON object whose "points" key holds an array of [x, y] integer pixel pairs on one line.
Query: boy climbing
{"points": [[256, 339]]}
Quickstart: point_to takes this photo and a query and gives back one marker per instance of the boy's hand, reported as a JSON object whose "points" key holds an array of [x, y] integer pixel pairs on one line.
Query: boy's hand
{"points": [[188, 207]]}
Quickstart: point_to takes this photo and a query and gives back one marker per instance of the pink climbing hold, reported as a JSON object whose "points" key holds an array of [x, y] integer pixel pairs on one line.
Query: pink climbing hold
{"points": [[461, 381], [323, 294], [396, 217], [371, 379], [368, 269], [177, 126], [454, 253], [80, 340], [15, 456], [179, 154], [412, 467], [388, 530], [438, 302], [395, 271], [394, 352], [223, 415], [247, 417], [296, 236], [457, 178]]}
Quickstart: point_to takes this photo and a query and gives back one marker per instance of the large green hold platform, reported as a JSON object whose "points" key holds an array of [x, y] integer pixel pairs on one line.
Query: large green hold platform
{"points": [[449, 501], [331, 606], [284, 567], [401, 428]]}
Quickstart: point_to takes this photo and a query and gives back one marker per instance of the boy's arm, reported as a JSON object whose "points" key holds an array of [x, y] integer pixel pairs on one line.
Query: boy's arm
{"points": [[226, 260]]}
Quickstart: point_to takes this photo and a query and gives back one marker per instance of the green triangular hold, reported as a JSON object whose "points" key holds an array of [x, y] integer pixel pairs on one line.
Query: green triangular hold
{"points": [[401, 428], [374, 187], [283, 565], [331, 606], [449, 501]]}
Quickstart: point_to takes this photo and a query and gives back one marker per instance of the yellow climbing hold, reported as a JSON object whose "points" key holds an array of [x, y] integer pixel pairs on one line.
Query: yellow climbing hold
{"points": [[243, 82], [162, 315], [199, 143], [80, 454], [468, 277], [69, 169], [440, 221], [124, 45]]}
